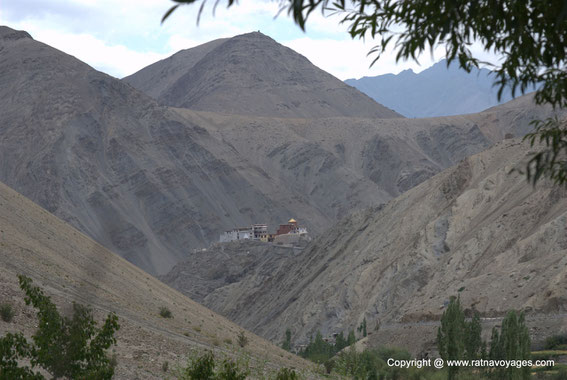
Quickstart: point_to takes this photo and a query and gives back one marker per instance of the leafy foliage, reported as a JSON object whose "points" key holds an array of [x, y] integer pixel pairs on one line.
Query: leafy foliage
{"points": [[556, 342], [550, 163], [286, 374], [530, 35], [372, 364], [13, 348], [457, 338], [512, 343], [204, 367], [65, 347], [320, 351]]}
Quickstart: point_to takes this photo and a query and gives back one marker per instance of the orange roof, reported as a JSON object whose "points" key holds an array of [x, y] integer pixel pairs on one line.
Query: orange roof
{"points": [[292, 221]]}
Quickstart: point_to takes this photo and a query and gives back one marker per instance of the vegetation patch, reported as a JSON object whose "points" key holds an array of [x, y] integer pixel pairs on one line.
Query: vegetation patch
{"points": [[65, 347], [7, 312], [165, 312]]}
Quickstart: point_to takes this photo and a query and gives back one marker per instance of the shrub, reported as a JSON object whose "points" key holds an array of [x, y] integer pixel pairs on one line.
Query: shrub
{"points": [[242, 339], [64, 347], [318, 350], [556, 342], [286, 374], [203, 368], [231, 371], [165, 312], [6, 312], [228, 340]]}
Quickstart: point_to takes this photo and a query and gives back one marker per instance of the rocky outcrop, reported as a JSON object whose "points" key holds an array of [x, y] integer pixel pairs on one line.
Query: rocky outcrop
{"points": [[477, 230], [154, 183]]}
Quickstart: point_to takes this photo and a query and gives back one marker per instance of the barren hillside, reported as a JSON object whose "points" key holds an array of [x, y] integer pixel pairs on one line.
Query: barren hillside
{"points": [[343, 164], [69, 266], [475, 229], [153, 183], [253, 75], [136, 177]]}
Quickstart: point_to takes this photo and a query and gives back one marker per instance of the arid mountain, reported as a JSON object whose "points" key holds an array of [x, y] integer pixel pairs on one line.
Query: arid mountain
{"points": [[436, 91], [153, 183], [138, 178], [341, 164], [475, 229], [252, 75], [131, 174], [69, 266]]}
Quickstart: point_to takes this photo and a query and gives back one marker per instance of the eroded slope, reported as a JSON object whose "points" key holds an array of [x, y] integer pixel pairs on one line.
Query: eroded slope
{"points": [[69, 266]]}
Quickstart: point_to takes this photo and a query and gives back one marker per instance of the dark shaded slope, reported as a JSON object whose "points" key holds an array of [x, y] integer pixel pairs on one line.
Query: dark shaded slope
{"points": [[136, 177]]}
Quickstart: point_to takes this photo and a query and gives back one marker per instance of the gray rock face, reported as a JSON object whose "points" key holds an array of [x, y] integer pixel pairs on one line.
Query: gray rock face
{"points": [[436, 91], [153, 183], [11, 34], [474, 230], [140, 179], [252, 75]]}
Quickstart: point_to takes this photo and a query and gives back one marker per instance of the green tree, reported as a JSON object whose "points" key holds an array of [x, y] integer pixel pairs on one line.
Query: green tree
{"points": [[529, 35], [65, 347], [351, 339], [451, 335], [362, 328], [512, 343], [286, 345], [473, 340], [340, 342]]}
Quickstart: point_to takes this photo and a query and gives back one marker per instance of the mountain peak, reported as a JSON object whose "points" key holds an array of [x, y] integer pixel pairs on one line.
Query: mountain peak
{"points": [[252, 74], [7, 33]]}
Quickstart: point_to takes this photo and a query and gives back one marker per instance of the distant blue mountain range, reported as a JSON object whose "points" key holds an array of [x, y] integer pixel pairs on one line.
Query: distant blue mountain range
{"points": [[436, 91]]}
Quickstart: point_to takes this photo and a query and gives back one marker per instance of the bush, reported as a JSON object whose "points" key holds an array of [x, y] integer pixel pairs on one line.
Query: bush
{"points": [[64, 347], [556, 342], [203, 368], [242, 339], [286, 374], [7, 312], [231, 371], [318, 350], [165, 312]]}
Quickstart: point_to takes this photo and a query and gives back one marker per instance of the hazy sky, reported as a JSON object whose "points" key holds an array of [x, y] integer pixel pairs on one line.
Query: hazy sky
{"points": [[120, 37]]}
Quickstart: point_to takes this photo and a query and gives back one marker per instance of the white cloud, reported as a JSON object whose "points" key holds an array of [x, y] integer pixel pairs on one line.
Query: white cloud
{"points": [[349, 58], [120, 37]]}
